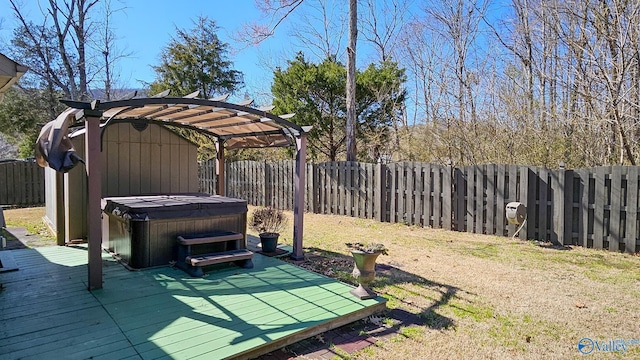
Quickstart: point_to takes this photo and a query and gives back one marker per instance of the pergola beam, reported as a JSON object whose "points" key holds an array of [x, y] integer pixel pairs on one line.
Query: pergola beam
{"points": [[216, 104]]}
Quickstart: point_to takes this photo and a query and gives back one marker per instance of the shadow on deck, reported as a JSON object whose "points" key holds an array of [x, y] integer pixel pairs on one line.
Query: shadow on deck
{"points": [[163, 313]]}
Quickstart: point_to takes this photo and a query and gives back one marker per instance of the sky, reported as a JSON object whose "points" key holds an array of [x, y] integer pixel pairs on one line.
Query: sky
{"points": [[144, 27]]}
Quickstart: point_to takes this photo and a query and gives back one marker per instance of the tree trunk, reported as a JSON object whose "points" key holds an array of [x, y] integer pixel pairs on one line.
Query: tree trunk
{"points": [[351, 80]]}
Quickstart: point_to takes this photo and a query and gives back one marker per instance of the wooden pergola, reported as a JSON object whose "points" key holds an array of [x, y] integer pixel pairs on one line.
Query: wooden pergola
{"points": [[232, 126]]}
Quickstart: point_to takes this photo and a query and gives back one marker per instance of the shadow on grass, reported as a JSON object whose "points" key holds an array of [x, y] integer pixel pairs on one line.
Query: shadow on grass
{"points": [[389, 277], [552, 246]]}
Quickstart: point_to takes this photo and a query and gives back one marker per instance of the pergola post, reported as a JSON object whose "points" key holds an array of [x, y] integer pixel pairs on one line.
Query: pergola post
{"points": [[93, 159], [220, 185], [299, 193]]}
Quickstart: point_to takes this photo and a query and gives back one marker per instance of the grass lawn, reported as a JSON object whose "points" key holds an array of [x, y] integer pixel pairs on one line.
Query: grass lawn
{"points": [[480, 296]]}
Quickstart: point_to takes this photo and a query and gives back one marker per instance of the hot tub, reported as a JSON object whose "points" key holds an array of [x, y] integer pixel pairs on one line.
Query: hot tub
{"points": [[142, 230]]}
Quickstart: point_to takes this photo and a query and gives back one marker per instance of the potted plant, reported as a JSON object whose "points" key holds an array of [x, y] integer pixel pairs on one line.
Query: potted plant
{"points": [[364, 270], [268, 222]]}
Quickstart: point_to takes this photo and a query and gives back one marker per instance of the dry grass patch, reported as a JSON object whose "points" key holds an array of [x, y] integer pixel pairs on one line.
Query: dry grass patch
{"points": [[485, 296]]}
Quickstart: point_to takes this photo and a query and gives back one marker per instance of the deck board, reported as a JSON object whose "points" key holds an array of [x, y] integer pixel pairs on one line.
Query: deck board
{"points": [[46, 311]]}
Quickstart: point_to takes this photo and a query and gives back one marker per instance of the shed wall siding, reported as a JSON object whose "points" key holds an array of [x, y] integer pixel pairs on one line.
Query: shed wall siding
{"points": [[151, 161], [75, 194]]}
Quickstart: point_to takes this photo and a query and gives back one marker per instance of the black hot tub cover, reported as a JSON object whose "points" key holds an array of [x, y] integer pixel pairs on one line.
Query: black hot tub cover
{"points": [[146, 207]]}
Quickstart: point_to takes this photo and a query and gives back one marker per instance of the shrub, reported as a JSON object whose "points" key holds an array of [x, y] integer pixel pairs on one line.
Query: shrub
{"points": [[369, 248], [268, 220]]}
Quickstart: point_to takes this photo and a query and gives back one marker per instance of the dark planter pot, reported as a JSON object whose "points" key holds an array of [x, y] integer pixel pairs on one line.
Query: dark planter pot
{"points": [[364, 272], [269, 242]]}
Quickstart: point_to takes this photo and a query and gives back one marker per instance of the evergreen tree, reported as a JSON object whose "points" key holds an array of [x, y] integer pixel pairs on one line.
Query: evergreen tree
{"points": [[316, 94], [194, 60]]}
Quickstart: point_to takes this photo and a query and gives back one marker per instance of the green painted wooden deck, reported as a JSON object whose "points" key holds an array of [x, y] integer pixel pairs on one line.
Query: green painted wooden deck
{"points": [[46, 311]]}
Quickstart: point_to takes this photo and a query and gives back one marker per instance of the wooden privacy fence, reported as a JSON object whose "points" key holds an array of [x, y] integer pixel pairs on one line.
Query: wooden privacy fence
{"points": [[21, 183], [207, 176], [403, 192], [592, 207]]}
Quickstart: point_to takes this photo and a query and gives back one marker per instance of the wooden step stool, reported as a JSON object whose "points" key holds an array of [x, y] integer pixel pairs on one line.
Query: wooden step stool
{"points": [[193, 263]]}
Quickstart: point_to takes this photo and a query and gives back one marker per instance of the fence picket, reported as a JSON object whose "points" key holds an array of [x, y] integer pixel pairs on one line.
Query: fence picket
{"points": [[512, 194], [432, 194], [447, 199], [460, 188], [479, 208], [598, 211], [359, 202], [553, 209], [525, 199], [585, 185], [614, 212], [631, 210], [418, 205], [393, 193], [491, 201], [426, 189], [470, 197]]}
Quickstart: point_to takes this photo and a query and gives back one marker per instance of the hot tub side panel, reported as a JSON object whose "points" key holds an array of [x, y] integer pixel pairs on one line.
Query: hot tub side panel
{"points": [[163, 233], [129, 239]]}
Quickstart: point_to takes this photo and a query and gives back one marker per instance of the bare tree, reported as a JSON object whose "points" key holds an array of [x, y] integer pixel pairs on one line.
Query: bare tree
{"points": [[106, 45], [381, 24], [322, 28], [65, 30]]}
